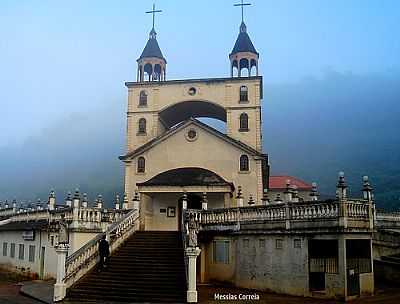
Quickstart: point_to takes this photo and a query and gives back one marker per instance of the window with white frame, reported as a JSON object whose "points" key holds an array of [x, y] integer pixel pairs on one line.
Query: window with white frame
{"points": [[221, 251], [12, 250], [21, 252], [5, 245], [31, 253]]}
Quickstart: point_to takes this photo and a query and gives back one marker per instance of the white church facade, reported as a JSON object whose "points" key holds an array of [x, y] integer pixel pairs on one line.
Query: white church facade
{"points": [[200, 205]]}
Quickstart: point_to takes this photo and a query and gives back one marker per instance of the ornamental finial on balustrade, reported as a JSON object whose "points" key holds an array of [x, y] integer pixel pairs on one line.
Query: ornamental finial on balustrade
{"points": [[136, 201], [341, 188], [239, 197], [314, 192], [84, 200], [99, 201], [68, 200], [295, 194], [265, 198], [38, 204], [77, 198], [278, 199], [288, 194], [251, 201], [204, 201], [367, 189], [125, 202], [117, 202]]}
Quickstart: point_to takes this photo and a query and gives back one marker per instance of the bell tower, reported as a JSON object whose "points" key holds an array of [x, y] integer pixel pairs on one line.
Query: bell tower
{"points": [[151, 63], [244, 55]]}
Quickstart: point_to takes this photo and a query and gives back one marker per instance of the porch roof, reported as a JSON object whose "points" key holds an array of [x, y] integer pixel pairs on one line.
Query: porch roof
{"points": [[187, 177]]}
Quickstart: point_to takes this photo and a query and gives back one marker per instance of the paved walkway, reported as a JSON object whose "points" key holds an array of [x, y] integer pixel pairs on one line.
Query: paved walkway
{"points": [[9, 294], [41, 292]]}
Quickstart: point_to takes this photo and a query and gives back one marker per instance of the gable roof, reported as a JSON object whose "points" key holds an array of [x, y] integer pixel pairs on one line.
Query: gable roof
{"points": [[278, 182], [183, 125]]}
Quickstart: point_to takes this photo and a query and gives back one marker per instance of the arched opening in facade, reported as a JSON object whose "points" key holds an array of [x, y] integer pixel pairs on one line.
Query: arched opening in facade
{"points": [[182, 111], [142, 126]]}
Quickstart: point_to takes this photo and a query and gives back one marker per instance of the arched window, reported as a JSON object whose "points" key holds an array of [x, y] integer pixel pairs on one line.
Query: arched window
{"points": [[141, 165], [244, 122], [244, 94], [143, 99], [142, 126], [244, 163]]}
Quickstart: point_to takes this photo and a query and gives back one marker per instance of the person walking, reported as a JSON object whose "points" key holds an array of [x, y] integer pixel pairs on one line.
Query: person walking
{"points": [[104, 252]]}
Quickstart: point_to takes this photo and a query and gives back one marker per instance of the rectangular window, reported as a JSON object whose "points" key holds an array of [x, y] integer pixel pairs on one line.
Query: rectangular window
{"points": [[52, 240], [262, 243], [279, 244], [246, 243], [12, 250], [31, 253], [21, 252], [297, 243], [5, 245], [221, 252]]}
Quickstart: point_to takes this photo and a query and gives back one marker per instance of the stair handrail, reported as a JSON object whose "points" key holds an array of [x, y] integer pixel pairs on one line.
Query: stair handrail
{"points": [[85, 258]]}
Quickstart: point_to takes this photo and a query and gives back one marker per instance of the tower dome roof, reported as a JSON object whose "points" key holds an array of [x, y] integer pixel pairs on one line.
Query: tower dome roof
{"points": [[243, 42], [152, 49]]}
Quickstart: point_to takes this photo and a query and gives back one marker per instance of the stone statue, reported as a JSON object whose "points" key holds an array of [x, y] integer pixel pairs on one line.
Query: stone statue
{"points": [[193, 230], [63, 237]]}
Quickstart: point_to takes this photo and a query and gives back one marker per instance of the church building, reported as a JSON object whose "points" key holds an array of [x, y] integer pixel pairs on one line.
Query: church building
{"points": [[171, 152]]}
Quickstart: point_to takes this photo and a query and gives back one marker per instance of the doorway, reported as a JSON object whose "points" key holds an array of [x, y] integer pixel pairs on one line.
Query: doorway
{"points": [[42, 256]]}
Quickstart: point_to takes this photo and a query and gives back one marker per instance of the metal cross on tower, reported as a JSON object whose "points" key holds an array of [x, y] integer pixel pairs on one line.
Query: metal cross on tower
{"points": [[242, 5], [154, 11]]}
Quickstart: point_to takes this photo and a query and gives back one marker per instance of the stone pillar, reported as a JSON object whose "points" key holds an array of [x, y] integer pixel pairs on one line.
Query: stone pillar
{"points": [[192, 253], [60, 287], [204, 202]]}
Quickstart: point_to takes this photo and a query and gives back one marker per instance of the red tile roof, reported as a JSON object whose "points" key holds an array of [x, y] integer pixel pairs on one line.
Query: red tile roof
{"points": [[279, 182]]}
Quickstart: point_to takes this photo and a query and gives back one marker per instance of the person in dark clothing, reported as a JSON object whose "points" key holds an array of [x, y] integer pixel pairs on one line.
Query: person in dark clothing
{"points": [[104, 252]]}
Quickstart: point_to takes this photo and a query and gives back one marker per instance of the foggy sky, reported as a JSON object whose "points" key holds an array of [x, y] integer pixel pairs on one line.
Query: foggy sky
{"points": [[63, 67]]}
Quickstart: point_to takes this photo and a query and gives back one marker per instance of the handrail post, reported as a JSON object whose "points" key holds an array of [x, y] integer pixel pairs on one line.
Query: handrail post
{"points": [[60, 286], [192, 253]]}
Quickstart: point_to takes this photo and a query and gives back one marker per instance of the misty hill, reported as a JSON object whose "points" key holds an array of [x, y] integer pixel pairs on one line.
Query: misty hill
{"points": [[312, 129]]}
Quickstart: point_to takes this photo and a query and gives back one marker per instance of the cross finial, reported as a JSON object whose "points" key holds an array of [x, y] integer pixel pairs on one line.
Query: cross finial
{"points": [[154, 11], [242, 5]]}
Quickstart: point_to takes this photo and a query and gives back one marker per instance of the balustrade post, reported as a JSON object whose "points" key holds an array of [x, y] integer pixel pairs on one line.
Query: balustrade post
{"points": [[287, 215], [184, 201], [341, 193], [192, 253], [60, 287]]}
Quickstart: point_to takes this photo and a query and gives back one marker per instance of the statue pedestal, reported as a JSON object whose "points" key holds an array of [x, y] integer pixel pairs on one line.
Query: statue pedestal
{"points": [[192, 253]]}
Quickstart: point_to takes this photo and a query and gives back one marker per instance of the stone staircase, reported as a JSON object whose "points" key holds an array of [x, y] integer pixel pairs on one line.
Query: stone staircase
{"points": [[148, 268]]}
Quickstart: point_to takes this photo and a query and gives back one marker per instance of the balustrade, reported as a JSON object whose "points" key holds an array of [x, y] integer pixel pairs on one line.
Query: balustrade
{"points": [[85, 258]]}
